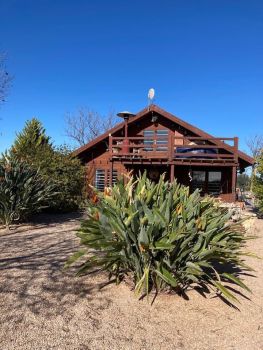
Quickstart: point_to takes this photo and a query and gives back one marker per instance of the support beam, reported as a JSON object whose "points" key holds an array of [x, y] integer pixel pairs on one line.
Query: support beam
{"points": [[111, 171], [172, 172], [234, 180]]}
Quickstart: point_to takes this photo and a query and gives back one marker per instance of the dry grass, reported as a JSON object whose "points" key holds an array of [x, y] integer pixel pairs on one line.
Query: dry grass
{"points": [[44, 307]]}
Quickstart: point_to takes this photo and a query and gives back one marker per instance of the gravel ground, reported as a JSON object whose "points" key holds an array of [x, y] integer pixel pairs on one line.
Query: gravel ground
{"points": [[44, 307]]}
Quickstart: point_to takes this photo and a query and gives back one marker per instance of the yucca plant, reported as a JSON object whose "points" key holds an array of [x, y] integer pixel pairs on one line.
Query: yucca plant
{"points": [[163, 237], [23, 191]]}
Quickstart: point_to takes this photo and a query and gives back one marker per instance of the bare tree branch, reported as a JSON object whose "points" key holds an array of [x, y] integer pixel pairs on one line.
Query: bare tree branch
{"points": [[255, 145], [86, 124], [5, 78]]}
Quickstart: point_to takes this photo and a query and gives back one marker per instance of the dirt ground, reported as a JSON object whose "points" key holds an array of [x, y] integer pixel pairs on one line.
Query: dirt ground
{"points": [[45, 307]]}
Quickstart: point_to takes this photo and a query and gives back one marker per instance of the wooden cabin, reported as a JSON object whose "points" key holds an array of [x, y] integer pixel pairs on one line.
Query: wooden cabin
{"points": [[159, 142]]}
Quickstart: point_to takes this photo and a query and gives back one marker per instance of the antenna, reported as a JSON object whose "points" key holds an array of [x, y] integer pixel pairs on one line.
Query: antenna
{"points": [[151, 94]]}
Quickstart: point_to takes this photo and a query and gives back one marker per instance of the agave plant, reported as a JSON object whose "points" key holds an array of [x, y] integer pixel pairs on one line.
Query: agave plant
{"points": [[22, 191], [162, 236]]}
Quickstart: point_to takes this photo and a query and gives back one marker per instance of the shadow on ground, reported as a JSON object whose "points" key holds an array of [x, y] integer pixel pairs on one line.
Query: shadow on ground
{"points": [[32, 274]]}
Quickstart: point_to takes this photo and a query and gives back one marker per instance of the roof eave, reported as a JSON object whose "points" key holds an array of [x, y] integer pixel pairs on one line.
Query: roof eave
{"points": [[246, 158]]}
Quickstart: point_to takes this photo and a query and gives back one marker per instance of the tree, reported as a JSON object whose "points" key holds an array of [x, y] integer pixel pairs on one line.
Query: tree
{"points": [[255, 145], [31, 142], [5, 78], [34, 147], [86, 124], [243, 182], [258, 182], [67, 174]]}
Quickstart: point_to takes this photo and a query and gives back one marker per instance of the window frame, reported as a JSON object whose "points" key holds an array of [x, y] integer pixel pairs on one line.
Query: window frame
{"points": [[99, 179], [206, 187], [161, 145]]}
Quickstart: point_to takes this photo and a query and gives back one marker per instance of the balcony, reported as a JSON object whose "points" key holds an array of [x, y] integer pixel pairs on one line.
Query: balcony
{"points": [[174, 150]]}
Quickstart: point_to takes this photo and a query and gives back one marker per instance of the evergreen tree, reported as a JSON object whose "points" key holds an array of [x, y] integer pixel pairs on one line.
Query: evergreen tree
{"points": [[31, 143], [33, 147]]}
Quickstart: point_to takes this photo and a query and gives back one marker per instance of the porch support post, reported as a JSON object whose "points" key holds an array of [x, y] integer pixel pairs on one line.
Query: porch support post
{"points": [[172, 173], [111, 171], [234, 180]]}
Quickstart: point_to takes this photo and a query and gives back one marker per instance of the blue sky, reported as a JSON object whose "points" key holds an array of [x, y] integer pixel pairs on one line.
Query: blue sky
{"points": [[204, 59]]}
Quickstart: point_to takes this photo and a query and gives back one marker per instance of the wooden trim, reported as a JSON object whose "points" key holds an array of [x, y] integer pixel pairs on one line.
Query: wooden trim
{"points": [[178, 163], [212, 164], [206, 138], [207, 155]]}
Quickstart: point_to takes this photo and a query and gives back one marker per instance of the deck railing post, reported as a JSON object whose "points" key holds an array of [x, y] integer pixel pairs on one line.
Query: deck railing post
{"points": [[110, 145], [171, 147], [234, 179], [172, 173], [110, 160], [111, 172], [236, 149]]}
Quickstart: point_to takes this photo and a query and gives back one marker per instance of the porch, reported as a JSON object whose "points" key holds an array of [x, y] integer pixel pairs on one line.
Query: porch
{"points": [[177, 150], [219, 182], [207, 163]]}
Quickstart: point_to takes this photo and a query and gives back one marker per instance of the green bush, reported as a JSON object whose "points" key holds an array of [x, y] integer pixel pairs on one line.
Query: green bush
{"points": [[23, 191], [243, 182], [163, 237], [258, 183], [55, 164], [67, 175]]}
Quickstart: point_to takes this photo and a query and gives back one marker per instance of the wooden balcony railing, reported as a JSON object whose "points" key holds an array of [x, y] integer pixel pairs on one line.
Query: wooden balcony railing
{"points": [[174, 148]]}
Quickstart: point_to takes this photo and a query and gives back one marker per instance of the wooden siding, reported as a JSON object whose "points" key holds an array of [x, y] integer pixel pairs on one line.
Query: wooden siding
{"points": [[117, 153]]}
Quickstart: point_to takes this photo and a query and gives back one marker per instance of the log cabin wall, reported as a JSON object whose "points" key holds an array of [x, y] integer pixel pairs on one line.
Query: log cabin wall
{"points": [[99, 159], [159, 142], [162, 123]]}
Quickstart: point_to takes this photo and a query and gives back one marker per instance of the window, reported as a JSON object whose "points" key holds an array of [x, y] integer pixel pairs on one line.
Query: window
{"points": [[148, 139], [198, 181], [114, 177], [207, 181], [214, 182], [162, 140], [100, 179], [158, 136]]}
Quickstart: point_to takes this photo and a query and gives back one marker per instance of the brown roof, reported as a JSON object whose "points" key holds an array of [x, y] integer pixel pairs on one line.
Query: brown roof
{"points": [[243, 156]]}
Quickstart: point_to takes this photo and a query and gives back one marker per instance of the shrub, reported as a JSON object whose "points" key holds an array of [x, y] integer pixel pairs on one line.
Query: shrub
{"points": [[55, 164], [258, 184], [68, 175], [162, 236], [23, 191], [243, 182]]}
